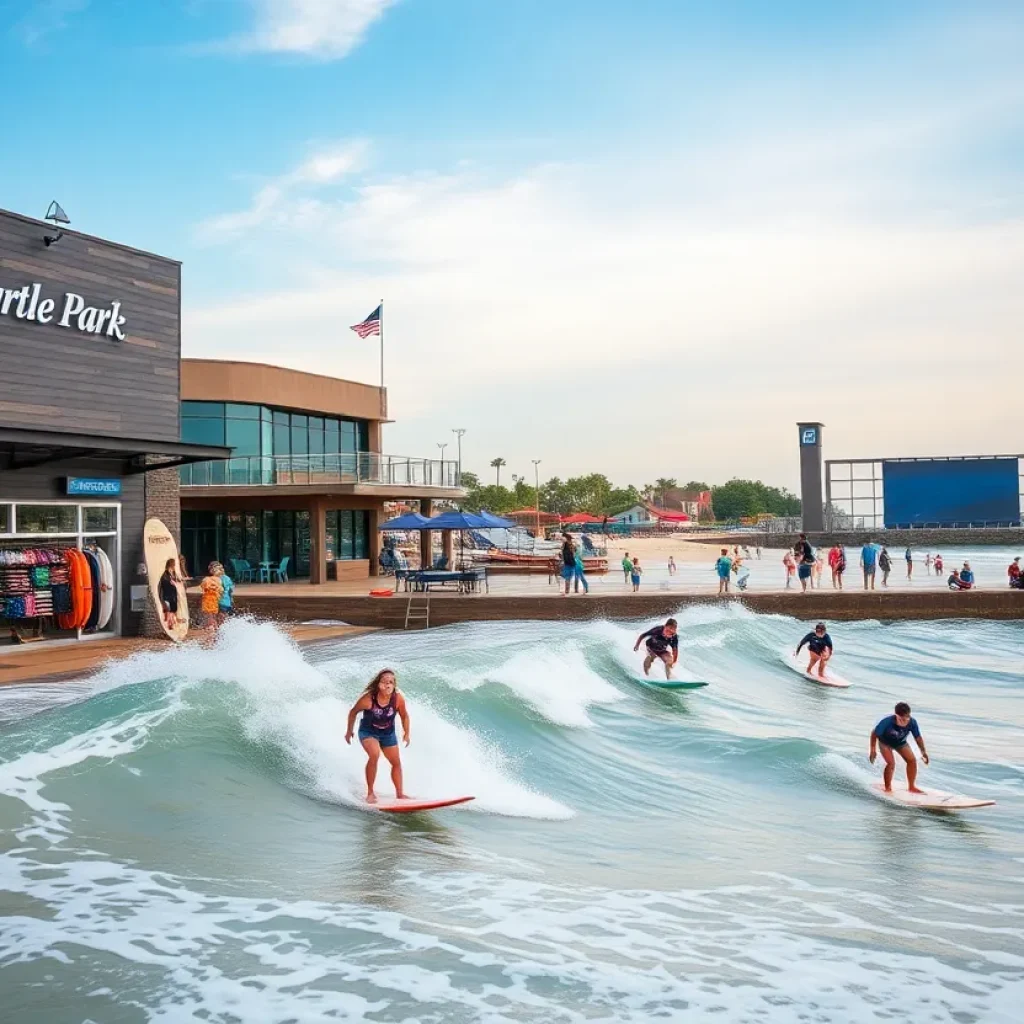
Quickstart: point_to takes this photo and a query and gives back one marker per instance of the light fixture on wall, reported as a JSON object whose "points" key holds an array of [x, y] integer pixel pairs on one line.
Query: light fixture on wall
{"points": [[58, 216]]}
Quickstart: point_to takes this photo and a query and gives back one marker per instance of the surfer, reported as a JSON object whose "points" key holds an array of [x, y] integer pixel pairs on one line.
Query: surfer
{"points": [[377, 729], [819, 646], [891, 734], [661, 640], [168, 589]]}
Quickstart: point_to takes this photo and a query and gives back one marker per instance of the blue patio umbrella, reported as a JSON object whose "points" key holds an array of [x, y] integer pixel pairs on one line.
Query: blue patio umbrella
{"points": [[495, 522], [456, 519], [410, 521]]}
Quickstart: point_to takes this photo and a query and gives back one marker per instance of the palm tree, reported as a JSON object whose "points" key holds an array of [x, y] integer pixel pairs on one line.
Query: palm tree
{"points": [[663, 484], [496, 465]]}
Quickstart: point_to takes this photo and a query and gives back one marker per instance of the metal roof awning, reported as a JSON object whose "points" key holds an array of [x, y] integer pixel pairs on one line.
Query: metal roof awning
{"points": [[26, 447]]}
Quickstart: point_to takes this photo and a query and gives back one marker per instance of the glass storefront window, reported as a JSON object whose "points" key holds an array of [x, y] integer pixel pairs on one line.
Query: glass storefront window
{"points": [[282, 435], [332, 437], [359, 545], [203, 430], [300, 436], [316, 435], [348, 436], [5, 518], [244, 437], [238, 411], [47, 519], [191, 409], [99, 520]]}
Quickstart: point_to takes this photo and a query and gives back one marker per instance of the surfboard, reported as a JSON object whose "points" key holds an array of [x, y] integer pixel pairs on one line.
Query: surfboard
{"points": [[95, 594], [672, 684], [392, 806], [107, 589], [930, 799], [799, 665], [158, 545]]}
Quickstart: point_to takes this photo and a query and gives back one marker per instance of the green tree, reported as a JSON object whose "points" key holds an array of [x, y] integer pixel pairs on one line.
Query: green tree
{"points": [[621, 498], [696, 485], [749, 498], [470, 480], [496, 465], [662, 485]]}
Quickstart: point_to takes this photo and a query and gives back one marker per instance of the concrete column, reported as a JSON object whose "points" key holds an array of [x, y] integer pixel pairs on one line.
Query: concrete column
{"points": [[317, 540], [448, 546], [374, 518], [811, 498], [426, 536]]}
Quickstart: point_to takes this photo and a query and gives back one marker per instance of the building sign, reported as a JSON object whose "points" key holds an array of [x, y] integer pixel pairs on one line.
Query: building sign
{"points": [[28, 303], [104, 487], [809, 435]]}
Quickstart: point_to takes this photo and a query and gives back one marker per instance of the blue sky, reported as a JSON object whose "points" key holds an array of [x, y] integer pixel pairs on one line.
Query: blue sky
{"points": [[645, 237]]}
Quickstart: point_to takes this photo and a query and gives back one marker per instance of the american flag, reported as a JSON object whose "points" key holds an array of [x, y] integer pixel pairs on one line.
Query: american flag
{"points": [[371, 325]]}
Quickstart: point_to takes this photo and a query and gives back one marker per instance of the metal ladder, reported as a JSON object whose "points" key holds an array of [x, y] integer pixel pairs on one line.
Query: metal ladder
{"points": [[418, 613]]}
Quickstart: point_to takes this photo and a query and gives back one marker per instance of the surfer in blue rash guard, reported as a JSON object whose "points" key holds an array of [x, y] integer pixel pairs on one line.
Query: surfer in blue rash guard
{"points": [[891, 735], [819, 646], [663, 644]]}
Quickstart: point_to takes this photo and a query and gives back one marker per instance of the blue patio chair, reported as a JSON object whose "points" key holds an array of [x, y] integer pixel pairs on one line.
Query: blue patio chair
{"points": [[244, 572], [280, 574]]}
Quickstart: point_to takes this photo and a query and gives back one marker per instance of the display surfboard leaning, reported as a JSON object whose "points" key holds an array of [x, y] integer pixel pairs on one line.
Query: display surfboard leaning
{"points": [[107, 589], [159, 546]]}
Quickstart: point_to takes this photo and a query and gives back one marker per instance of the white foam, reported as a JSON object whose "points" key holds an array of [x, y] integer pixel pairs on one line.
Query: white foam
{"points": [[558, 685]]}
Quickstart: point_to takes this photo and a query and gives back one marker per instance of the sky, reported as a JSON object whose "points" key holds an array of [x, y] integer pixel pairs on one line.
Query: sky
{"points": [[643, 238]]}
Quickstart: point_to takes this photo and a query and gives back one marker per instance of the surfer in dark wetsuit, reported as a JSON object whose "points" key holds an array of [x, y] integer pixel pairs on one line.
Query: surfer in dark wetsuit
{"points": [[663, 644], [819, 645], [168, 591], [380, 703], [891, 734]]}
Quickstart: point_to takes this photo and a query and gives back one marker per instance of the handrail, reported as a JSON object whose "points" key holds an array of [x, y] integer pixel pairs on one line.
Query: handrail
{"points": [[344, 468]]}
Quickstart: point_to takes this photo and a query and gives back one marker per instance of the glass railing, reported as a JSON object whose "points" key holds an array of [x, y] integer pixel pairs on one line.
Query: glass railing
{"points": [[307, 470]]}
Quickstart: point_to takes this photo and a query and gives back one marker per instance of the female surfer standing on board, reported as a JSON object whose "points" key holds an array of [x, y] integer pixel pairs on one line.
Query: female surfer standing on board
{"points": [[380, 703], [819, 644]]}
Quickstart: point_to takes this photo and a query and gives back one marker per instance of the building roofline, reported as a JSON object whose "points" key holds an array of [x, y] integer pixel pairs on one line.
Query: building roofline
{"points": [[88, 238]]}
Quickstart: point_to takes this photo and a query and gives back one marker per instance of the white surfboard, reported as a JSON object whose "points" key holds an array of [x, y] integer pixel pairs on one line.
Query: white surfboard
{"points": [[930, 799], [799, 665], [106, 589], [159, 546]]}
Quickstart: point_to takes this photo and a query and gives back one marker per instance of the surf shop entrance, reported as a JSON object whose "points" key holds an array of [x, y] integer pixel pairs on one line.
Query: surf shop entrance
{"points": [[60, 566]]}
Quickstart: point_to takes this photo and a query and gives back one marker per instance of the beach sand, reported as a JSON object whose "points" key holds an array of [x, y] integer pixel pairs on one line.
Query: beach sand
{"points": [[656, 550]]}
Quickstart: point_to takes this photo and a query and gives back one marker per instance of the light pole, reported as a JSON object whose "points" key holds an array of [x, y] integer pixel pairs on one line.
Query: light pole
{"points": [[442, 445], [536, 481], [458, 432]]}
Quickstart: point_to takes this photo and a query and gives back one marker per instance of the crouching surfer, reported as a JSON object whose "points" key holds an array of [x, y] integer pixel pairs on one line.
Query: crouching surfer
{"points": [[380, 703], [663, 644]]}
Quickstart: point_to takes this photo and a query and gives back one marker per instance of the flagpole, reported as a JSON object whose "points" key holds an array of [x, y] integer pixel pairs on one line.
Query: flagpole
{"points": [[383, 404]]}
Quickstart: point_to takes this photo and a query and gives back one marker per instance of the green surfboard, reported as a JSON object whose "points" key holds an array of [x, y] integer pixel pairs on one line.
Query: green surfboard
{"points": [[672, 684]]}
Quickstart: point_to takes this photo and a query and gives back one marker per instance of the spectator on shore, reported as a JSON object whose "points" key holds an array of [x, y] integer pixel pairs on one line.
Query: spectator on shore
{"points": [[579, 574], [938, 565], [568, 561], [956, 583], [841, 566], [909, 556], [927, 563], [635, 574], [671, 566], [723, 567], [805, 561], [868, 561], [885, 564], [833, 561], [790, 563], [627, 567], [1014, 573], [967, 575]]}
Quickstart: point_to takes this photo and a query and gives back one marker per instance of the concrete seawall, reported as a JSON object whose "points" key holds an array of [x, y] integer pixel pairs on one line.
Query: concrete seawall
{"points": [[446, 609]]}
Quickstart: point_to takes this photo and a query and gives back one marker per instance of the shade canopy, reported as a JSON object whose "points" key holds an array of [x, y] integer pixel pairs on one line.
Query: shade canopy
{"points": [[456, 520], [494, 522], [580, 518], [410, 521]]}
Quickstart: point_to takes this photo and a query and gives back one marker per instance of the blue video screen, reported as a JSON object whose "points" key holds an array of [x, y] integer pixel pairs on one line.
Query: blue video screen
{"points": [[945, 493]]}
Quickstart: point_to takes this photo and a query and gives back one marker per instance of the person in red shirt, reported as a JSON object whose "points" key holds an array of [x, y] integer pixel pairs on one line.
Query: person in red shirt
{"points": [[1014, 572]]}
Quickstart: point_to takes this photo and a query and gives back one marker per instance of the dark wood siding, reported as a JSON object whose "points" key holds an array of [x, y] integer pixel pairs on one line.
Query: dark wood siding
{"points": [[61, 378]]}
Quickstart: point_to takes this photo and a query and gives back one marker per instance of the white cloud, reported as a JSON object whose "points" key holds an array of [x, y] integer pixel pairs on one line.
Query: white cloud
{"points": [[43, 18], [323, 29], [283, 200]]}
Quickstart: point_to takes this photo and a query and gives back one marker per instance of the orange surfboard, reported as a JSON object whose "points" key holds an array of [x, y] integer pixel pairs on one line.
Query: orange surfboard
{"points": [[393, 806]]}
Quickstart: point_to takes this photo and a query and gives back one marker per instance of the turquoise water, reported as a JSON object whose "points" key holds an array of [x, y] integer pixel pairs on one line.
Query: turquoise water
{"points": [[183, 839]]}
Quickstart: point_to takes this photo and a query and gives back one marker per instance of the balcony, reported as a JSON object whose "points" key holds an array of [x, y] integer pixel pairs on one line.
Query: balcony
{"points": [[369, 468]]}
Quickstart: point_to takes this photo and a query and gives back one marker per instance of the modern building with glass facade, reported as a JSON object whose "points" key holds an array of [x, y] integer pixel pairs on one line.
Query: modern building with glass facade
{"points": [[307, 481]]}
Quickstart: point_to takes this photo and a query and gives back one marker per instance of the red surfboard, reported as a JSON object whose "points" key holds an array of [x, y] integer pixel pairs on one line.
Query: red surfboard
{"points": [[393, 806]]}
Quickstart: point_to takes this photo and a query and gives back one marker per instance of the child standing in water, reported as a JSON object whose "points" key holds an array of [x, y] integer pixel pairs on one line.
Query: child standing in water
{"points": [[637, 572]]}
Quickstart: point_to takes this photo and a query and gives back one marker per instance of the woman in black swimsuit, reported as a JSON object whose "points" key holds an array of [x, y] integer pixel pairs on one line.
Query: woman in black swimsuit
{"points": [[380, 703], [168, 590]]}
